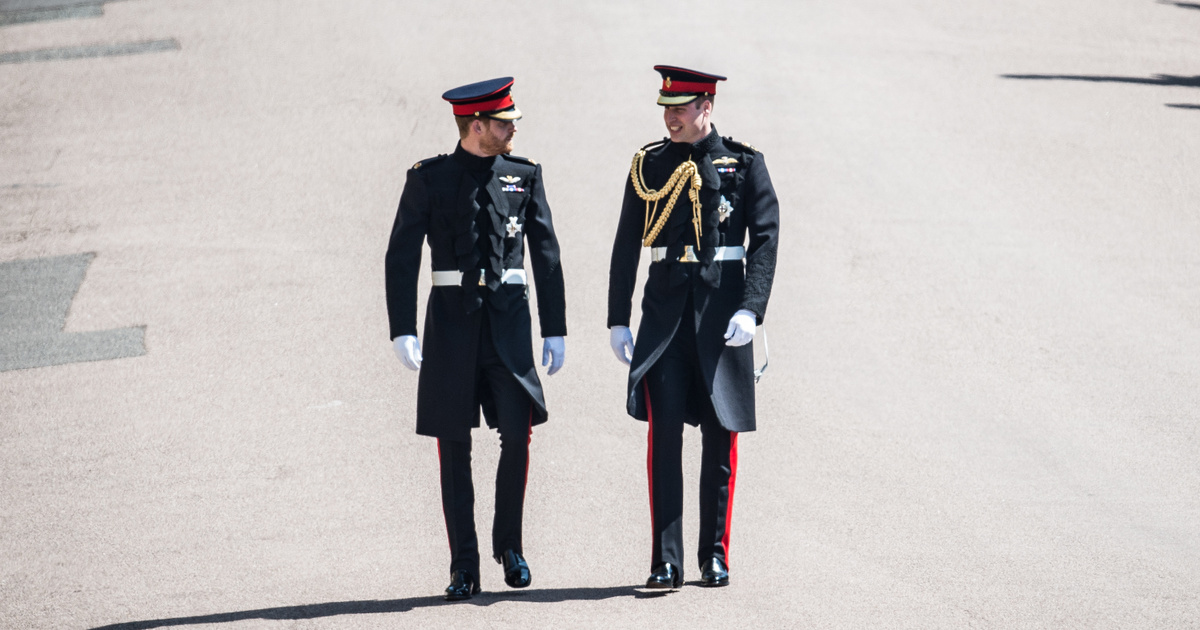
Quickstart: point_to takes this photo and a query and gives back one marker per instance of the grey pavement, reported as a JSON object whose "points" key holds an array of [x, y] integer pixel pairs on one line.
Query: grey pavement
{"points": [[982, 405]]}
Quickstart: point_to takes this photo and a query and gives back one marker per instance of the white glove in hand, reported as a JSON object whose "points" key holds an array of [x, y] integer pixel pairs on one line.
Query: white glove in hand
{"points": [[741, 328], [408, 350], [554, 353], [621, 341]]}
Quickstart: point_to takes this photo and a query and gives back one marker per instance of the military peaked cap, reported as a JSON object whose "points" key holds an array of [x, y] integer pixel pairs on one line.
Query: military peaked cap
{"points": [[681, 85], [492, 98]]}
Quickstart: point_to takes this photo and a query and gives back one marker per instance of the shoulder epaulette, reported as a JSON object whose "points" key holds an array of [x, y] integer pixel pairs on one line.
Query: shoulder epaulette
{"points": [[730, 140], [656, 143], [517, 158], [428, 161]]}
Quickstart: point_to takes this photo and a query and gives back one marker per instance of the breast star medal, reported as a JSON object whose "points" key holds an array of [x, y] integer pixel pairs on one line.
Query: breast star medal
{"points": [[724, 209], [513, 227]]}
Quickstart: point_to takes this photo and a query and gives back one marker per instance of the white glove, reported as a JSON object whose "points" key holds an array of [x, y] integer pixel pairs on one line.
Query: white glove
{"points": [[621, 341], [554, 353], [741, 328], [408, 350]]}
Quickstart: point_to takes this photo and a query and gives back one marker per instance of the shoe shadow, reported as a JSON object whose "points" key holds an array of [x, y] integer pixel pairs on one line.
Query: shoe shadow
{"points": [[384, 606]]}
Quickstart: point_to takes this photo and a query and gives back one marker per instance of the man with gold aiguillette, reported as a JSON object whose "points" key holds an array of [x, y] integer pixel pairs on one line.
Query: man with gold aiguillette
{"points": [[478, 208], [705, 207]]}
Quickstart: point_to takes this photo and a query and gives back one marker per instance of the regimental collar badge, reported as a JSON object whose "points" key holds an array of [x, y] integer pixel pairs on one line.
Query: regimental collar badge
{"points": [[510, 179], [724, 209], [513, 227]]}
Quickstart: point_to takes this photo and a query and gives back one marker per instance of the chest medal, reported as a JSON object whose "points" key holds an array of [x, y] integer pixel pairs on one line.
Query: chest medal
{"points": [[513, 227], [724, 209], [510, 182]]}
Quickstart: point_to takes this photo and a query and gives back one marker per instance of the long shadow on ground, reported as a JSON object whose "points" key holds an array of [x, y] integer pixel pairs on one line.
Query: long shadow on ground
{"points": [[384, 606], [1158, 79]]}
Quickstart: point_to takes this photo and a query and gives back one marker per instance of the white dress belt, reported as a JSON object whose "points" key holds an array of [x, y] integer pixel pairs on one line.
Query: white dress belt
{"points": [[735, 252], [454, 278]]}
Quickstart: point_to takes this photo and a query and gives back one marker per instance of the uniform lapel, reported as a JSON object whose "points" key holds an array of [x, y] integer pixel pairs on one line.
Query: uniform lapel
{"points": [[710, 197], [499, 216], [466, 207], [710, 192], [499, 200]]}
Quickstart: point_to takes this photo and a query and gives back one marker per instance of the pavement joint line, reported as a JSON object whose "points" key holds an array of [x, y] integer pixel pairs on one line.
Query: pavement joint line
{"points": [[93, 51], [46, 15]]}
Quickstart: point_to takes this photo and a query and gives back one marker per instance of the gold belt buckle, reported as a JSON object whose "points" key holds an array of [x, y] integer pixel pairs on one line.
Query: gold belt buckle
{"points": [[689, 255]]}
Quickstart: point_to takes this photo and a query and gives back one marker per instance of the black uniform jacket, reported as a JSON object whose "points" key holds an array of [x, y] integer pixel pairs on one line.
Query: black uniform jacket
{"points": [[719, 288], [465, 205]]}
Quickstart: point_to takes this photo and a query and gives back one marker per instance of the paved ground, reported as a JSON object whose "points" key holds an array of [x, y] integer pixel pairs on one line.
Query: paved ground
{"points": [[982, 405]]}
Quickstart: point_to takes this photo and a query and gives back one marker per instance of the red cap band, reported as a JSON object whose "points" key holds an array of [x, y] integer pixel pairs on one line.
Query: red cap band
{"points": [[688, 86], [470, 109]]}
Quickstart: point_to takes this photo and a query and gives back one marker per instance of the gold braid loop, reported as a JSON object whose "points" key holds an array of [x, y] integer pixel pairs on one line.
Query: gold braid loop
{"points": [[675, 185]]}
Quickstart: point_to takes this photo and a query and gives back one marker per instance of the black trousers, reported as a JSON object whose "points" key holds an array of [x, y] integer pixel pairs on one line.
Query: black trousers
{"points": [[514, 413], [670, 383]]}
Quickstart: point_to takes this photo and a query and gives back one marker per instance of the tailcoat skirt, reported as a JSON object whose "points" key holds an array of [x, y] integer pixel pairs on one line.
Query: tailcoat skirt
{"points": [[733, 172], [441, 204]]}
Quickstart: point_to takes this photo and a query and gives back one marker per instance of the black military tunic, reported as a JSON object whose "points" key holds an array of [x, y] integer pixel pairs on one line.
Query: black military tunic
{"points": [[478, 215], [738, 173], [442, 202], [682, 371]]}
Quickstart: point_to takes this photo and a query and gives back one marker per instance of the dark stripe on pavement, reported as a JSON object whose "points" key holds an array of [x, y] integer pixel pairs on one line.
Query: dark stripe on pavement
{"points": [[85, 52], [42, 15], [1158, 79], [35, 298]]}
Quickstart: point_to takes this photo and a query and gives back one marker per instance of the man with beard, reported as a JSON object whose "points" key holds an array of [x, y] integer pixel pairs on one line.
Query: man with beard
{"points": [[478, 207], [705, 207]]}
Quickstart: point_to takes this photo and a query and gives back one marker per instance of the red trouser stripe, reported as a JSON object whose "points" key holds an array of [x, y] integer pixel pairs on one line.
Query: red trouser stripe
{"points": [[650, 461], [729, 501]]}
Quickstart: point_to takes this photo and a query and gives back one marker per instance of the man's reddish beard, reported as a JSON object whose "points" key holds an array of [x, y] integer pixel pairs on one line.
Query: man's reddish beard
{"points": [[492, 145]]}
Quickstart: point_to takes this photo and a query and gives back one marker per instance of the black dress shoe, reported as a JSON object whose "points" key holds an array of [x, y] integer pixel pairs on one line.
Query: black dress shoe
{"points": [[665, 576], [516, 571], [462, 586], [714, 573]]}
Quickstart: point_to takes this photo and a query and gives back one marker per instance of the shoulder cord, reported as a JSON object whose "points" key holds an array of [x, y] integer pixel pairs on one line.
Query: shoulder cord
{"points": [[675, 185]]}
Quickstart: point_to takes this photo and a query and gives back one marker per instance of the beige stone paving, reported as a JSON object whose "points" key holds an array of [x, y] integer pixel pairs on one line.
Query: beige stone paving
{"points": [[981, 409]]}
